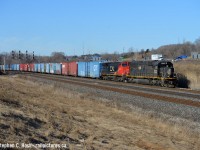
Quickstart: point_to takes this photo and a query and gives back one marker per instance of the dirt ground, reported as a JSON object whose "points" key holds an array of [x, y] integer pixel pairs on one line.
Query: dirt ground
{"points": [[35, 113]]}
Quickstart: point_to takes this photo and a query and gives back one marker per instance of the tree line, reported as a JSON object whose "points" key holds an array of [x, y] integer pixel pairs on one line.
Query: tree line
{"points": [[174, 50], [170, 51]]}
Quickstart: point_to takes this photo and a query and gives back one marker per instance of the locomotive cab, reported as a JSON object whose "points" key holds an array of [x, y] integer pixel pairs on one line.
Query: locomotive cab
{"points": [[165, 69], [166, 73]]}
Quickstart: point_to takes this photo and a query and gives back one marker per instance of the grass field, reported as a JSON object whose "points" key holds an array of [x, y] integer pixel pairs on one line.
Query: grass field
{"points": [[190, 73], [32, 112]]}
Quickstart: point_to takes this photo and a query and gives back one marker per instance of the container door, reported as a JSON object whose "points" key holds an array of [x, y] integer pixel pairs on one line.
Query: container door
{"points": [[44, 68], [87, 69]]}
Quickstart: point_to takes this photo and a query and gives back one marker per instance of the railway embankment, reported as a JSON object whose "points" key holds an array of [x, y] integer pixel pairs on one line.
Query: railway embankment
{"points": [[189, 73]]}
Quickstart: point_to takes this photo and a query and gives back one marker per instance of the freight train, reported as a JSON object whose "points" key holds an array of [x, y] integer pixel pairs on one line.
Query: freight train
{"points": [[154, 72]]}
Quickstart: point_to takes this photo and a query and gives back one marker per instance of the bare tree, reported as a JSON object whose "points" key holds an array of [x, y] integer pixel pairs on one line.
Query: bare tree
{"points": [[58, 57]]}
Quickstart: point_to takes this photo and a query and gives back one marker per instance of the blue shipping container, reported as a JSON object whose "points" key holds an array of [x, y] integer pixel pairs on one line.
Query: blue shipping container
{"points": [[47, 68], [94, 67], [39, 69], [51, 68], [57, 68], [83, 69], [15, 67], [36, 68], [1, 67], [7, 67], [42, 68]]}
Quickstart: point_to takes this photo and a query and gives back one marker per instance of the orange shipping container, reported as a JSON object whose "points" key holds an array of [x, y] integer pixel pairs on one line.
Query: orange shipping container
{"points": [[73, 68], [31, 67], [23, 67], [65, 68]]}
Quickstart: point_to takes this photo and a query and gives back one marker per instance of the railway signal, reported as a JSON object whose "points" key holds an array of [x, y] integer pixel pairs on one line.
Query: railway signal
{"points": [[19, 54], [26, 54], [13, 55], [33, 55]]}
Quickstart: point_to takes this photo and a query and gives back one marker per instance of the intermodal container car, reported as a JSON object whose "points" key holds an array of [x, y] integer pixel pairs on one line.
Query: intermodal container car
{"points": [[94, 68], [51, 68], [47, 68], [14, 67], [23, 67], [7, 67], [35, 67], [39, 69], [1, 67], [65, 68], [31, 67], [57, 68], [73, 68], [83, 69], [42, 67]]}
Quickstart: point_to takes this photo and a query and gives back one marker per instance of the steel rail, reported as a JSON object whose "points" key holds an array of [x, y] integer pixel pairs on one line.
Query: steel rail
{"points": [[124, 91], [132, 86]]}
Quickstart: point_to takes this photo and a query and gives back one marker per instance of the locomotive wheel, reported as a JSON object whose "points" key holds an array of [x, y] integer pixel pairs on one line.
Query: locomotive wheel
{"points": [[125, 80], [151, 82], [116, 79], [161, 84], [174, 85], [167, 84]]}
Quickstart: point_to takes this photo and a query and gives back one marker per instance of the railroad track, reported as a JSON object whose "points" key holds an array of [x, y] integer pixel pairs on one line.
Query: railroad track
{"points": [[189, 98]]}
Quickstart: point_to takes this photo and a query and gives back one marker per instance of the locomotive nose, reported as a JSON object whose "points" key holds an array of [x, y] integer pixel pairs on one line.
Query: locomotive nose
{"points": [[169, 71]]}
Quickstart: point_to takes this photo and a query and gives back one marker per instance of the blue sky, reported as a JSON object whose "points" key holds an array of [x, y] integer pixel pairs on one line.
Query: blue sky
{"points": [[96, 26]]}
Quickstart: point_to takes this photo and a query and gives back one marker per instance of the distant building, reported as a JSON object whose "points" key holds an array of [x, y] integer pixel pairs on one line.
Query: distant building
{"points": [[195, 55], [156, 57], [94, 57]]}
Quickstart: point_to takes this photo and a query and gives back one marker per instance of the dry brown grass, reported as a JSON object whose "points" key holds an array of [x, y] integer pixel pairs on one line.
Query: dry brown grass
{"points": [[191, 70], [38, 113]]}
